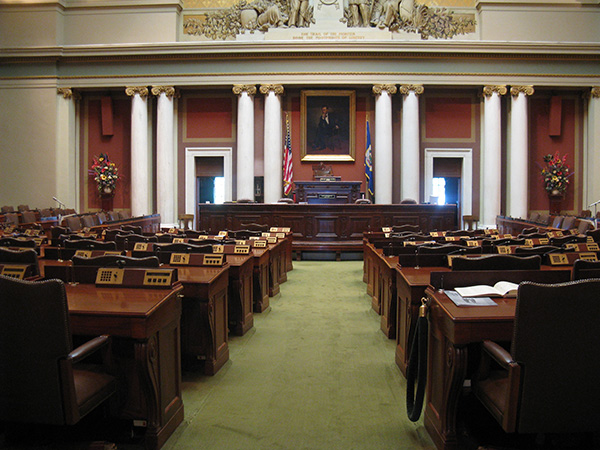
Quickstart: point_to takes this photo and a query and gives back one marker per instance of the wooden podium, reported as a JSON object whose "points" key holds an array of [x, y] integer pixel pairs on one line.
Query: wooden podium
{"points": [[327, 192]]}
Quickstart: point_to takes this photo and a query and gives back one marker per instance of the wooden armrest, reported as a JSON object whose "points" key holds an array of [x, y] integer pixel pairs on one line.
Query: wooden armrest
{"points": [[499, 354], [84, 350]]}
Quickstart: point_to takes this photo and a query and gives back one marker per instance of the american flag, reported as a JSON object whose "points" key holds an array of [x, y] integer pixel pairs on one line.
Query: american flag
{"points": [[288, 172]]}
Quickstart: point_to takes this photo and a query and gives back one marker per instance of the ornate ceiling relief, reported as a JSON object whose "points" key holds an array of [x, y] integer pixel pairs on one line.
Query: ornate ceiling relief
{"points": [[426, 20]]}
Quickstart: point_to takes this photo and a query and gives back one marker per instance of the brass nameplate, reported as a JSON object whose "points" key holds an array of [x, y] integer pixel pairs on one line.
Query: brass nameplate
{"points": [[472, 244], [178, 240], [180, 258], [272, 240], [140, 246], [588, 256], [112, 252], [84, 253], [504, 249], [202, 237], [222, 233], [265, 234], [260, 244], [593, 247], [386, 229], [218, 248], [240, 242], [280, 235], [172, 230]]}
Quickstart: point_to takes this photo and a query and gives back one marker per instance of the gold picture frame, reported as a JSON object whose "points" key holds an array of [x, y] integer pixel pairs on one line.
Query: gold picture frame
{"points": [[332, 139]]}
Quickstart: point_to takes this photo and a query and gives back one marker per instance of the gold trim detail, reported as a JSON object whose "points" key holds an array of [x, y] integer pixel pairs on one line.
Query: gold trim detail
{"points": [[488, 91], [595, 92], [142, 91], [169, 91], [379, 88], [68, 93], [266, 88], [418, 89], [239, 88], [516, 90]]}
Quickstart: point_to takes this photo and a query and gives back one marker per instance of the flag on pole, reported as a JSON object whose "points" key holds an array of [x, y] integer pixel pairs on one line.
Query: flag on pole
{"points": [[288, 173], [369, 166]]}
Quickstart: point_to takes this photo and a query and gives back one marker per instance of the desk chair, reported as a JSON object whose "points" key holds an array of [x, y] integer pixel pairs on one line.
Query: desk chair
{"points": [[22, 208], [548, 383], [470, 222], [362, 201], [586, 269], [498, 262], [560, 241], [529, 230], [12, 219], [42, 379], [7, 209], [13, 242], [127, 241], [89, 244], [30, 257], [255, 227], [163, 252], [286, 200], [186, 221], [28, 217], [73, 223], [135, 229], [191, 234], [110, 235]]}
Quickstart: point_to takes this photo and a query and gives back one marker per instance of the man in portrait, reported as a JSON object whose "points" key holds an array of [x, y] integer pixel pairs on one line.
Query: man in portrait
{"points": [[327, 130]]}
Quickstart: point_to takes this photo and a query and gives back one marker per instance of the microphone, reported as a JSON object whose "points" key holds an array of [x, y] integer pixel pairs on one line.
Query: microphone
{"points": [[595, 203], [58, 201]]}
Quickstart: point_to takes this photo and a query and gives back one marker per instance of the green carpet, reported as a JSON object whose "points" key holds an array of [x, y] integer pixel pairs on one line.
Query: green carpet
{"points": [[315, 372]]}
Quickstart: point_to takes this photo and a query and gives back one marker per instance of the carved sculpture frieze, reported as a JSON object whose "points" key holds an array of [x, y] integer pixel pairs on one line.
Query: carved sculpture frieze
{"points": [[408, 16]]}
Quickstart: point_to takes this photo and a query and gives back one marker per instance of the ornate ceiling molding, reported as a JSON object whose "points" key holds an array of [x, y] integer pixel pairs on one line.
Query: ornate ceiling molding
{"points": [[499, 89], [142, 91]]}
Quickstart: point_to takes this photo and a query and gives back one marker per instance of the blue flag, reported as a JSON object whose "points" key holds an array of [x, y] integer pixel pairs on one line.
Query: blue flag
{"points": [[369, 166]]}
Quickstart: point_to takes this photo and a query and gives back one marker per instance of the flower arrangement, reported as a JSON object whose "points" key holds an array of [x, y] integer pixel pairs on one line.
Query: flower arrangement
{"points": [[105, 174], [556, 173]]}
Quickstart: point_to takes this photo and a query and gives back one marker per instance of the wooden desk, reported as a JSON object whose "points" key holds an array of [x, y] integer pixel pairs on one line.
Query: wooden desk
{"points": [[327, 192], [204, 323], [451, 330], [240, 300], [144, 325], [260, 297]]}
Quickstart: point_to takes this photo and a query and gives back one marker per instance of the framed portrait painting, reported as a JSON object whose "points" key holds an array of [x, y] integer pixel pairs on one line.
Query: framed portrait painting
{"points": [[328, 125]]}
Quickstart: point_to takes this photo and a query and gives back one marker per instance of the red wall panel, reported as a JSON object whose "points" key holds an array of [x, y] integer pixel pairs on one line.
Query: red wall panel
{"points": [[448, 118], [542, 143], [209, 118], [117, 147]]}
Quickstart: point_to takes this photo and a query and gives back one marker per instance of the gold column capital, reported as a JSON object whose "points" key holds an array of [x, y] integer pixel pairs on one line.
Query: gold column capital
{"points": [[169, 91], [516, 90], [499, 89], [142, 91], [239, 88], [266, 88], [595, 92], [68, 93], [389, 88], [418, 89]]}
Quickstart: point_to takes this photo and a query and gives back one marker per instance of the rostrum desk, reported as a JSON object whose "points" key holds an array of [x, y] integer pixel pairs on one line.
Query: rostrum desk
{"points": [[144, 325]]}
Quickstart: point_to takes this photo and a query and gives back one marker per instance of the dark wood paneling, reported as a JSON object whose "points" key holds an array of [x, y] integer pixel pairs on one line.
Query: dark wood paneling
{"points": [[335, 223]]}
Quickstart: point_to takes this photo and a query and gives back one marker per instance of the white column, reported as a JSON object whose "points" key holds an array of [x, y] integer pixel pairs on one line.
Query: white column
{"points": [[67, 156], [141, 189], [409, 151], [491, 156], [518, 155], [273, 143], [383, 149], [166, 159], [245, 141], [592, 161]]}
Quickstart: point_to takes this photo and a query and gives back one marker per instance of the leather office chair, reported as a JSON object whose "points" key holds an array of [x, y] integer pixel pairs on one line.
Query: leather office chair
{"points": [[255, 227], [583, 269], [594, 234], [41, 378], [191, 234], [73, 223], [22, 208], [127, 241], [406, 227], [7, 209], [12, 219], [110, 235], [498, 262], [286, 200], [557, 221], [530, 230], [470, 222], [28, 217], [559, 241], [89, 244], [408, 201], [168, 237], [548, 383], [568, 222], [29, 257], [124, 215], [163, 252], [244, 234], [534, 216], [585, 213], [13, 242], [135, 229], [584, 225], [538, 250], [362, 201]]}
